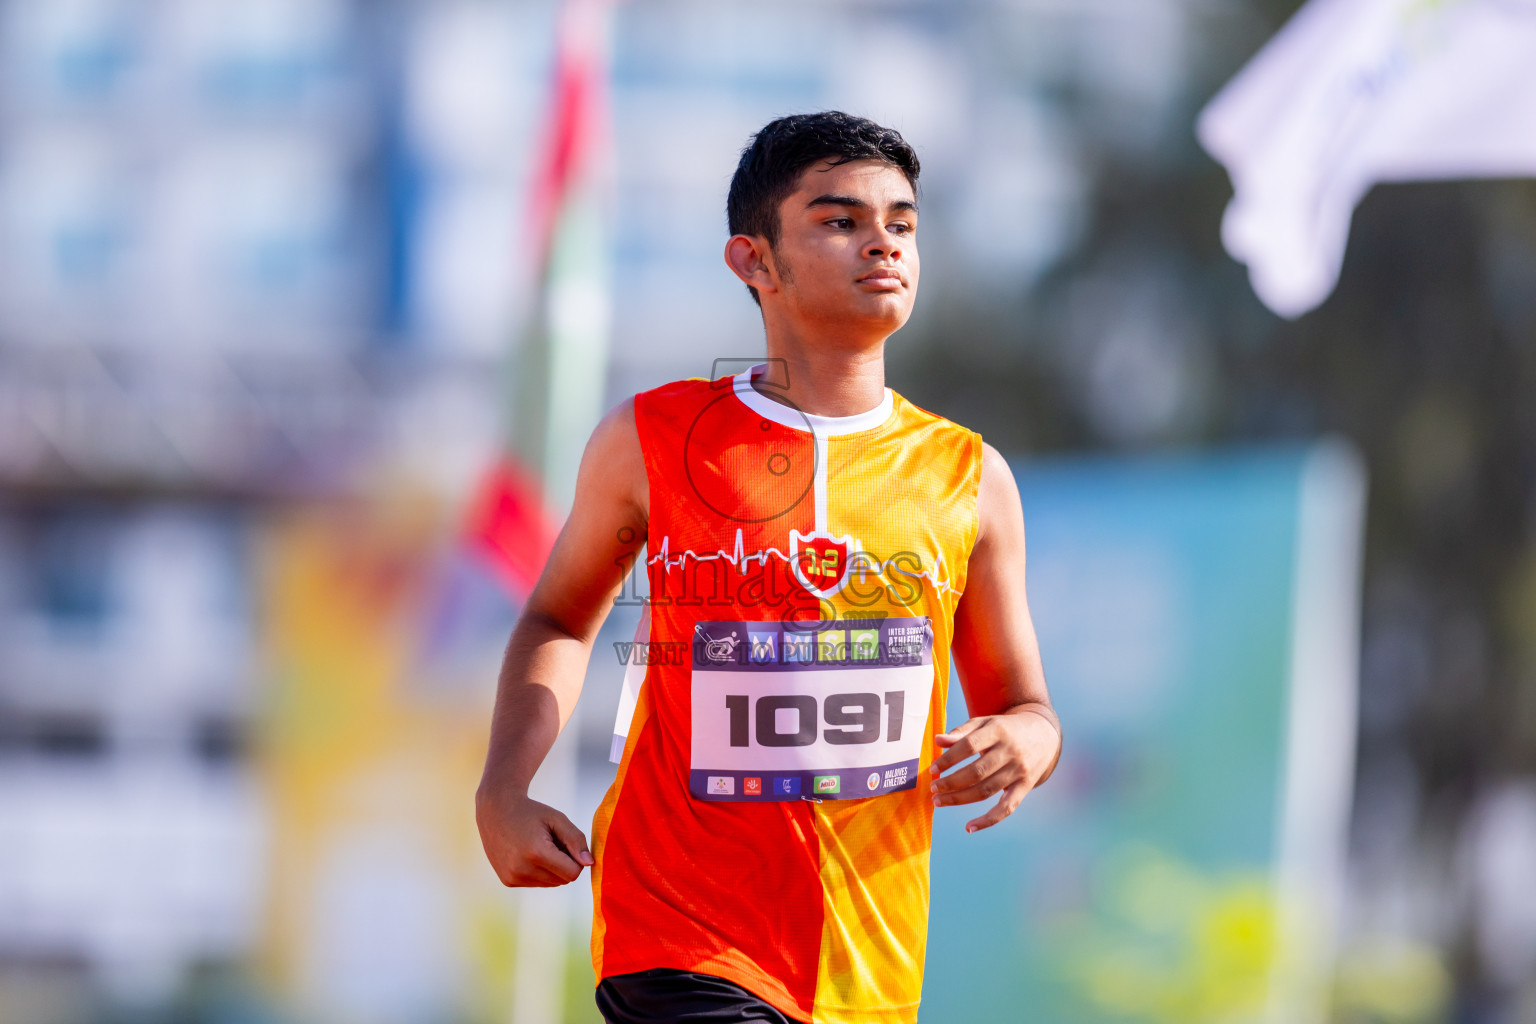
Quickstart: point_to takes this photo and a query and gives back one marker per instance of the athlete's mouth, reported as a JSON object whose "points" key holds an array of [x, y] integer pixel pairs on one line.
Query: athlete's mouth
{"points": [[883, 275]]}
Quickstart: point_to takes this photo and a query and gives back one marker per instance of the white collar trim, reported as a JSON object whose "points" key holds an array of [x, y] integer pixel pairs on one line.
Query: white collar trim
{"points": [[821, 426]]}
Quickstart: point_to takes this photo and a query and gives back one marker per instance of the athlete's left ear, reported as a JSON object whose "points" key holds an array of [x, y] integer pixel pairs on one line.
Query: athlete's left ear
{"points": [[747, 256]]}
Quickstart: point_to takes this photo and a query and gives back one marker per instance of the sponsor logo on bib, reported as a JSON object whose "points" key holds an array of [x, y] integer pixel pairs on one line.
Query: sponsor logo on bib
{"points": [[752, 785], [718, 649], [873, 782], [722, 785], [828, 784]]}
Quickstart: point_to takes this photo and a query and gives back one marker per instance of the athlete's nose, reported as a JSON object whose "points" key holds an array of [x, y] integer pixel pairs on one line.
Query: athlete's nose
{"points": [[883, 244]]}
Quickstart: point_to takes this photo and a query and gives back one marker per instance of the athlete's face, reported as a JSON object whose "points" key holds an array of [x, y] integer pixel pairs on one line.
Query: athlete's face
{"points": [[847, 250]]}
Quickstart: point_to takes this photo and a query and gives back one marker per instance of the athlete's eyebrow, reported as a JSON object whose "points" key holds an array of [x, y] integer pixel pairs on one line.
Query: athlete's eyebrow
{"points": [[828, 199]]}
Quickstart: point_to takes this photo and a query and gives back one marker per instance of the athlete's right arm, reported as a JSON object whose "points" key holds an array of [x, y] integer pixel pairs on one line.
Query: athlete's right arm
{"points": [[530, 843]]}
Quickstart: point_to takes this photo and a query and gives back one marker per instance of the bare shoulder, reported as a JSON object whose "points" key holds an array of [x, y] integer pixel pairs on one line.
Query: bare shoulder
{"points": [[998, 508], [613, 463], [617, 429]]}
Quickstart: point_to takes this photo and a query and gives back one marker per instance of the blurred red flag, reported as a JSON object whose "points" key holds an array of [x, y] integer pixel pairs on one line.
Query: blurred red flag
{"points": [[508, 521], [508, 526], [575, 108]]}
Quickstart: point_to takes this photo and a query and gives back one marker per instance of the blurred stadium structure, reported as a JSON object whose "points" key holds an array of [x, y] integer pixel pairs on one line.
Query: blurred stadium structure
{"points": [[261, 262]]}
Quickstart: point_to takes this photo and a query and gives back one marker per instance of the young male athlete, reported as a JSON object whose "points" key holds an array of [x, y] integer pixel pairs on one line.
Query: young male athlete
{"points": [[817, 549]]}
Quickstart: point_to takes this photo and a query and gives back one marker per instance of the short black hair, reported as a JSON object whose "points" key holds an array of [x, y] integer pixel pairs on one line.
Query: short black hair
{"points": [[771, 164]]}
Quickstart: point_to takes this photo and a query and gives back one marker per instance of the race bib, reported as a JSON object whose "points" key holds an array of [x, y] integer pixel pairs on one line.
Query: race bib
{"points": [[829, 710]]}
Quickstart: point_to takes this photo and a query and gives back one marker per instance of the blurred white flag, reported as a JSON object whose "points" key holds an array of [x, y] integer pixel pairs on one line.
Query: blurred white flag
{"points": [[1353, 92]]}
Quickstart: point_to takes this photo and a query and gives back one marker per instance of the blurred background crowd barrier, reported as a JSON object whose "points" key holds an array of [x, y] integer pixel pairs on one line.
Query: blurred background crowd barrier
{"points": [[306, 307]]}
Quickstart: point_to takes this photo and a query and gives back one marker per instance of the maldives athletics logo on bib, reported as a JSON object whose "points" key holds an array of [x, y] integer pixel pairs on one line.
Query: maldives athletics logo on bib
{"points": [[821, 561]]}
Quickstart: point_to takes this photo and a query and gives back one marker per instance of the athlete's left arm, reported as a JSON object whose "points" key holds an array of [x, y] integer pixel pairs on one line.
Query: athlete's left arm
{"points": [[1013, 733]]}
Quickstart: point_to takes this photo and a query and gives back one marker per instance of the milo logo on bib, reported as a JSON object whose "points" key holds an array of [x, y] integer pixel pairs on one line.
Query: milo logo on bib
{"points": [[822, 710]]}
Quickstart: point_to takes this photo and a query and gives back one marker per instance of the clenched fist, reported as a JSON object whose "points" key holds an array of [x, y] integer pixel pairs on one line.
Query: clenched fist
{"points": [[529, 843]]}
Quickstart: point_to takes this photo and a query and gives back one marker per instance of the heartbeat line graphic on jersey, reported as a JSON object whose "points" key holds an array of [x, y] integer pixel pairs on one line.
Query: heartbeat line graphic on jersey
{"points": [[851, 565]]}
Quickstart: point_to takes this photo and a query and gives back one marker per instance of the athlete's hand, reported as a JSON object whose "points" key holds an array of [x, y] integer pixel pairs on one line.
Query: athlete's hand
{"points": [[529, 843], [1013, 751]]}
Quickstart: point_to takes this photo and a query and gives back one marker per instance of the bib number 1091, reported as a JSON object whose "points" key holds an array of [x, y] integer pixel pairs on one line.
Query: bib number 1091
{"points": [[792, 720]]}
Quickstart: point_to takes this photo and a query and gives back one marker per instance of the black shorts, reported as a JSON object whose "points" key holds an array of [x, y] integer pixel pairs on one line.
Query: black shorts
{"points": [[663, 996]]}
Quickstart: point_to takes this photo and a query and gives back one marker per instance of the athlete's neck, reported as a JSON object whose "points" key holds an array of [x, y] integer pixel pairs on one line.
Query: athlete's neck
{"points": [[824, 381]]}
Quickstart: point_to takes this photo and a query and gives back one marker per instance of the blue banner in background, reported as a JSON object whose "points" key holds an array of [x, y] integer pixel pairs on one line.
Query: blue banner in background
{"points": [[1148, 879]]}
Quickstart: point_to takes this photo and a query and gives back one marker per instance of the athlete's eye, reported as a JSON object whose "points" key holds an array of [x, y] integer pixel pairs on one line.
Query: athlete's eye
{"points": [[843, 223], [901, 228]]}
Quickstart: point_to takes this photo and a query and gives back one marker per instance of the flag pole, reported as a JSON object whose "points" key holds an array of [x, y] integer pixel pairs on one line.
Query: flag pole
{"points": [[556, 393]]}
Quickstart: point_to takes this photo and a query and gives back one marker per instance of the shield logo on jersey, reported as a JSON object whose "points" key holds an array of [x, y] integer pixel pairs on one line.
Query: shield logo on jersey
{"points": [[821, 561]]}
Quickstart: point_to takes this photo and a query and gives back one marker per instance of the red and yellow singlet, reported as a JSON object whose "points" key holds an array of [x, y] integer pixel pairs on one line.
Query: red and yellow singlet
{"points": [[771, 822]]}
